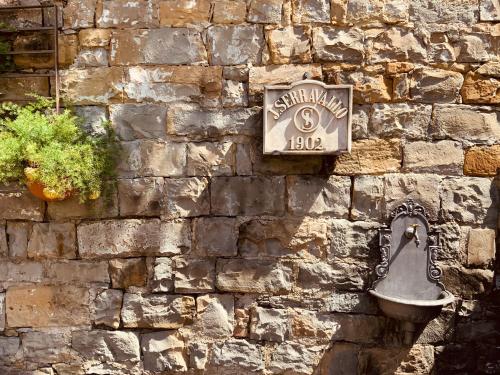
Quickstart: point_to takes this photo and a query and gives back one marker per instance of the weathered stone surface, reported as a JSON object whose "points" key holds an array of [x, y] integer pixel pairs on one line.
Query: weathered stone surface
{"points": [[265, 11], [229, 11], [184, 12], [125, 273], [397, 44], [47, 347], [140, 196], [112, 346], [436, 86], [172, 46], [350, 303], [198, 355], [423, 189], [52, 240], [215, 315], [269, 324], [242, 320], [444, 16], [338, 44], [369, 85], [341, 359], [481, 247], [410, 121], [9, 347], [92, 85], [75, 272], [186, 197], [470, 200], [104, 207], [149, 158], [310, 11], [88, 58], [175, 237], [20, 272], [482, 161], [156, 311], [232, 45], [371, 156], [164, 351], [18, 235], [93, 118], [352, 239], [106, 308], [294, 357], [123, 13], [253, 276], [119, 238], [339, 275], [194, 275], [319, 195], [289, 45], [367, 198], [163, 276], [92, 38], [79, 14], [21, 205], [202, 124], [211, 159], [137, 121], [238, 355], [300, 237], [234, 93], [445, 157], [16, 89], [418, 360], [474, 47], [56, 306], [489, 10], [479, 88], [2, 312], [248, 195], [465, 123], [215, 236]]}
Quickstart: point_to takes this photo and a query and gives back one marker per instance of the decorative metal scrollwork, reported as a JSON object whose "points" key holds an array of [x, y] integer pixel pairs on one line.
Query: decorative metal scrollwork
{"points": [[409, 208], [433, 271], [385, 253]]}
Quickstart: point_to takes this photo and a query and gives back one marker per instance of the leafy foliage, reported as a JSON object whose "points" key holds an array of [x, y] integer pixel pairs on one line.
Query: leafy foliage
{"points": [[60, 154]]}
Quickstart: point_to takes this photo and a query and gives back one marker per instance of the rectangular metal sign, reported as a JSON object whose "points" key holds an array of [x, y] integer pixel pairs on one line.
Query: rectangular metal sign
{"points": [[307, 117]]}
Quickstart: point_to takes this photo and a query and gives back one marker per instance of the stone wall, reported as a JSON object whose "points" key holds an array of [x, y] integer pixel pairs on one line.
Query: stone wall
{"points": [[213, 259]]}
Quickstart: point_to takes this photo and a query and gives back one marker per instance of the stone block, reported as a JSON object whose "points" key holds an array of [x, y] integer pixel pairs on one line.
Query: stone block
{"points": [[215, 315], [233, 45], [198, 355], [338, 44], [52, 240], [91, 38], [20, 272], [140, 196], [340, 275], [305, 11], [18, 234], [234, 93], [258, 195], [269, 324], [119, 238], [88, 58], [290, 237], [445, 157], [9, 347], [290, 45], [175, 237], [199, 124], [410, 121], [253, 276], [352, 239], [460, 16], [242, 321], [47, 347], [184, 13], [489, 10], [481, 247], [369, 85], [436, 86], [238, 355], [215, 236], [186, 197], [419, 359], [352, 303], [319, 195], [15, 89], [474, 47], [171, 46], [106, 308], [479, 88], [139, 121], [107, 346], [397, 44], [370, 156], [470, 200], [359, 328], [194, 275], [311, 324], [341, 359], [265, 11], [157, 311], [164, 351], [229, 11], [93, 118], [163, 276], [104, 207], [465, 123], [21, 205], [2, 312], [150, 158], [482, 161], [56, 306], [367, 198], [292, 357], [126, 14], [125, 273], [211, 159], [77, 272], [79, 14]]}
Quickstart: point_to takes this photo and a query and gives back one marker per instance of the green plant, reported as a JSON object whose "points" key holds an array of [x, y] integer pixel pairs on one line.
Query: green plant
{"points": [[37, 144]]}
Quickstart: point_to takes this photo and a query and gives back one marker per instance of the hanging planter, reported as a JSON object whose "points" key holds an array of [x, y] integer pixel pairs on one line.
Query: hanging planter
{"points": [[51, 154]]}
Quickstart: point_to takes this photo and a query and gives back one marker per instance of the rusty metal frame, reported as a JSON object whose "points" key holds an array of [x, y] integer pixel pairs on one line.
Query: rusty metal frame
{"points": [[54, 52]]}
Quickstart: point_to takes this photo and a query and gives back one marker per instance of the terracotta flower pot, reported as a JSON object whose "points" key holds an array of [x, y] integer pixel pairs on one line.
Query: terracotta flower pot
{"points": [[38, 190]]}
